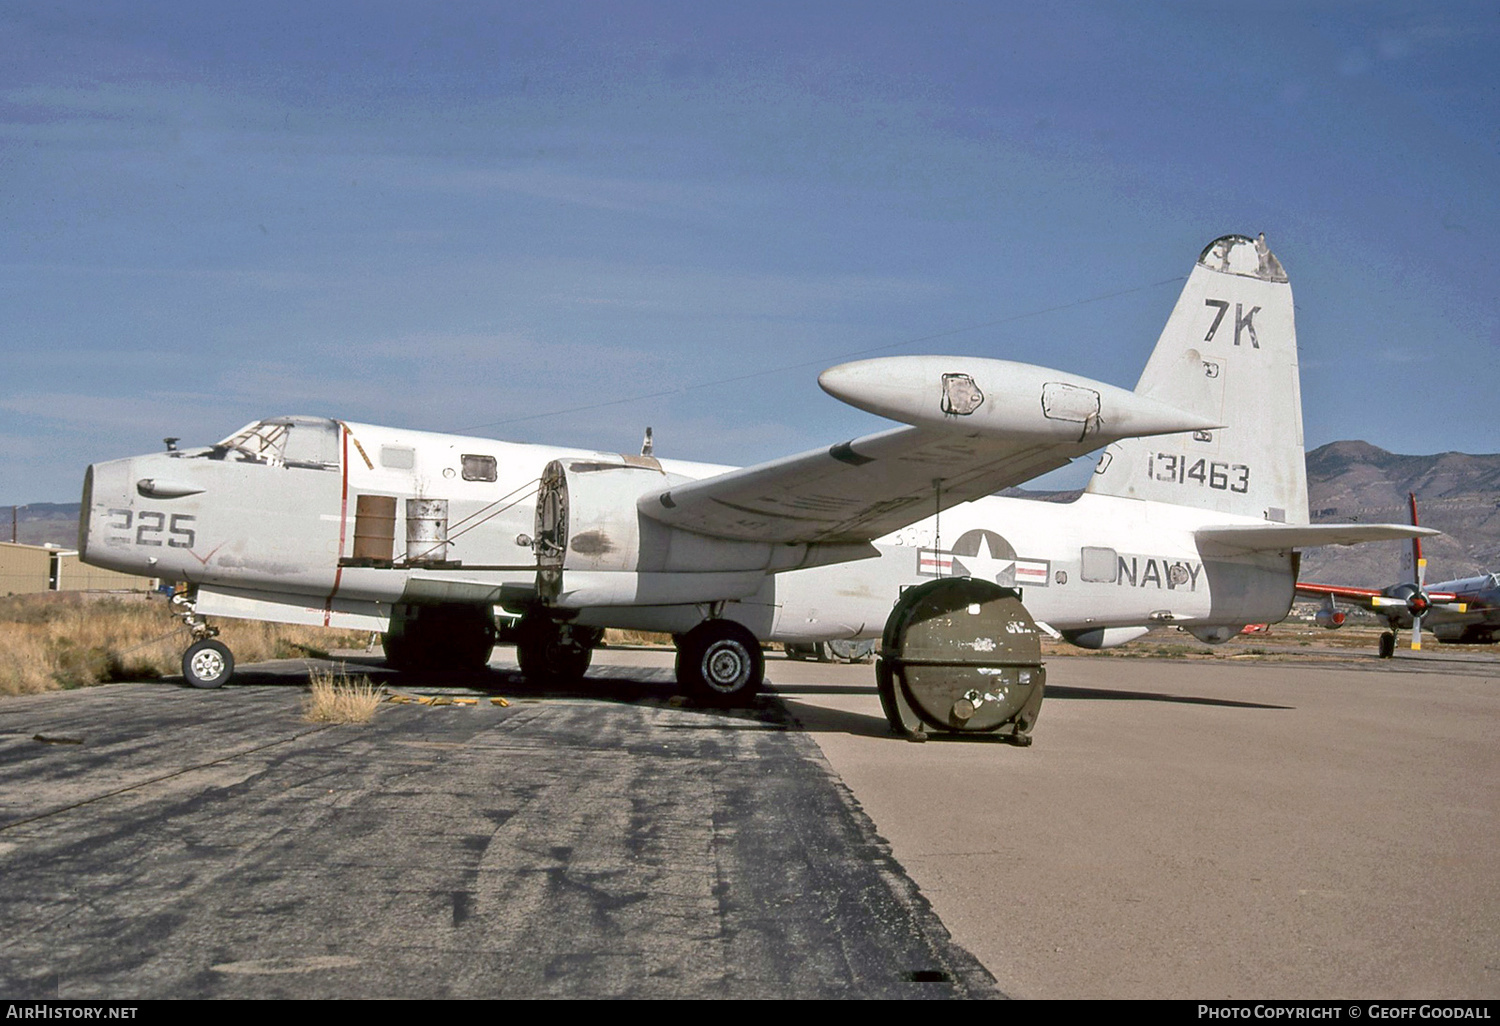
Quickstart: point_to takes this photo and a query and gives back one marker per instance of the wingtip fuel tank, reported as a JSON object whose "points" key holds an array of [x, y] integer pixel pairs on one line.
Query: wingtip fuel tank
{"points": [[976, 396]]}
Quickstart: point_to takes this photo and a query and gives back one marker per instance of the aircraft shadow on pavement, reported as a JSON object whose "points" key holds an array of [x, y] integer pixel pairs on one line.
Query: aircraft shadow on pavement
{"points": [[1053, 691], [657, 687], [642, 686], [816, 719], [820, 720], [822, 689], [1066, 691]]}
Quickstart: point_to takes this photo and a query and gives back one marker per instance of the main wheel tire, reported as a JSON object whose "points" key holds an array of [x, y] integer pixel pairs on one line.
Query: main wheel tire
{"points": [[442, 638], [544, 660], [207, 664], [555, 652], [721, 662], [1387, 645]]}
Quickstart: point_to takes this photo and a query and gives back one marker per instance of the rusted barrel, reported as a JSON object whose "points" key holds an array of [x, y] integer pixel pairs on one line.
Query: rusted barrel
{"points": [[426, 530], [375, 527]]}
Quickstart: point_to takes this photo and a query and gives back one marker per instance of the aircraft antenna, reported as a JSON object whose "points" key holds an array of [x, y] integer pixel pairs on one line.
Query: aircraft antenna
{"points": [[823, 361], [937, 523]]}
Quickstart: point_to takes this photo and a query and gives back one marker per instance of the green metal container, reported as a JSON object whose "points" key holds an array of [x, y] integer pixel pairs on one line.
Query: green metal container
{"points": [[961, 656]]}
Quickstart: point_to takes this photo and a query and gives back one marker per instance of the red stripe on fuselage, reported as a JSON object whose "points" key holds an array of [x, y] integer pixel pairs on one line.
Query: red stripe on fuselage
{"points": [[338, 569]]}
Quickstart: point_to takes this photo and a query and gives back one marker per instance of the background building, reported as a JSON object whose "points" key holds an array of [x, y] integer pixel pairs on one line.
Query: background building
{"points": [[27, 569]]}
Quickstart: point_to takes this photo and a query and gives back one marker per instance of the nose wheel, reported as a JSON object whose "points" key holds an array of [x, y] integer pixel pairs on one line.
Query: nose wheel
{"points": [[207, 664]]}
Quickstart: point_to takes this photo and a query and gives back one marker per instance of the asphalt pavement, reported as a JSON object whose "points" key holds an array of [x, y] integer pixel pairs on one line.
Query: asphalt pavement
{"points": [[1228, 829], [162, 842]]}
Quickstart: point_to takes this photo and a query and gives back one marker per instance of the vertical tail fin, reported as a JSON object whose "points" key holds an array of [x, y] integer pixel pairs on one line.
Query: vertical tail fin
{"points": [[1229, 354]]}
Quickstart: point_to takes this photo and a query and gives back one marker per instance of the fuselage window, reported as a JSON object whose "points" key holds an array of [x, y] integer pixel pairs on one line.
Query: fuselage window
{"points": [[479, 468], [1099, 564], [397, 457]]}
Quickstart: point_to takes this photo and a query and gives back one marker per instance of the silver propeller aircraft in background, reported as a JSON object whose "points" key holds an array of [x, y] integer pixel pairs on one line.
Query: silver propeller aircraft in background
{"points": [[443, 543], [1460, 612]]}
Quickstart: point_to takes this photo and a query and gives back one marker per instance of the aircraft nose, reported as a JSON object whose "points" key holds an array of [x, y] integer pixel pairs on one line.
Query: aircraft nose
{"points": [[106, 489]]}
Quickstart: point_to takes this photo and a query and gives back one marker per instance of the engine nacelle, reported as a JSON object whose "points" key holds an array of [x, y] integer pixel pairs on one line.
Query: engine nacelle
{"points": [[595, 547]]}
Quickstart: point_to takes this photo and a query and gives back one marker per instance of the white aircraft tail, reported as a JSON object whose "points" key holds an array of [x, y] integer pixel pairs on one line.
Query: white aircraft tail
{"points": [[1228, 354]]}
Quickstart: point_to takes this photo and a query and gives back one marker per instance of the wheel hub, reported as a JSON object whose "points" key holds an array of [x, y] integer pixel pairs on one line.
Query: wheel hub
{"points": [[724, 666], [208, 665]]}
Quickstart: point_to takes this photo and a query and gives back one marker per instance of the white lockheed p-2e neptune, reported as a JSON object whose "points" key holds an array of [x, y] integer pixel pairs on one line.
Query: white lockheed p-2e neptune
{"points": [[1193, 517]]}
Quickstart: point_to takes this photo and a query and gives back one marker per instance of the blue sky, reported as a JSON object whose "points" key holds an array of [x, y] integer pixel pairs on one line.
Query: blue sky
{"points": [[565, 221]]}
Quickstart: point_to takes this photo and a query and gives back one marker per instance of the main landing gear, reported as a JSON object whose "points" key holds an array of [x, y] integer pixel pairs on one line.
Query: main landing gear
{"points": [[207, 663], [451, 638], [837, 651], [720, 662], [551, 652]]}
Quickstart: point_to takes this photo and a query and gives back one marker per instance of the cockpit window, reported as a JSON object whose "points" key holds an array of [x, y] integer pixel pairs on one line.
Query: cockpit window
{"points": [[305, 442]]}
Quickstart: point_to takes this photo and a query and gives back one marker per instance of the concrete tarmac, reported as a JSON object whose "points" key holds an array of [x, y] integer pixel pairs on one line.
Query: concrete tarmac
{"points": [[1179, 829], [1182, 829]]}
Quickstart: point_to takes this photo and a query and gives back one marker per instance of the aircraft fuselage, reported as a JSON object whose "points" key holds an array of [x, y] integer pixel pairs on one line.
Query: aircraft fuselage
{"points": [[318, 531]]}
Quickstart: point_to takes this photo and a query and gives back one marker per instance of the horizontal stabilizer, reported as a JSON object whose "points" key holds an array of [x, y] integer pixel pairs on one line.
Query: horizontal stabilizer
{"points": [[1279, 537]]}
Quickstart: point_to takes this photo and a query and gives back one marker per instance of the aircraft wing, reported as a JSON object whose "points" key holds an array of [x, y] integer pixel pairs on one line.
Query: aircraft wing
{"points": [[976, 426], [1369, 598], [857, 490]]}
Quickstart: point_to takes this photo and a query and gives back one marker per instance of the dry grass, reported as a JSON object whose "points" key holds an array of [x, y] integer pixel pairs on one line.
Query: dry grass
{"points": [[64, 640], [647, 639], [618, 638], [335, 697]]}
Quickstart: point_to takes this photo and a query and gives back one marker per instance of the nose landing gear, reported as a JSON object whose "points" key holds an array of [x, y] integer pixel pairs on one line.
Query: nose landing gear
{"points": [[207, 663]]}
